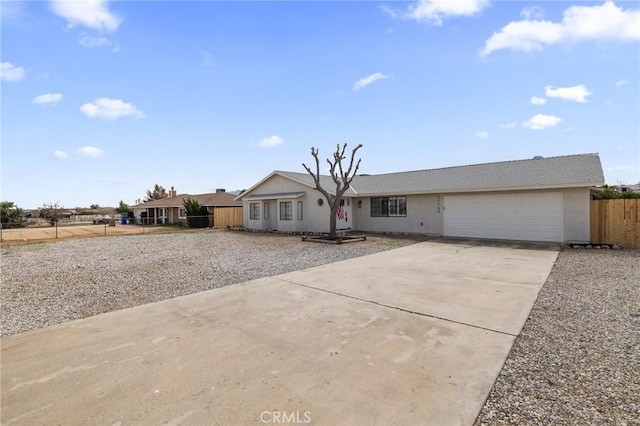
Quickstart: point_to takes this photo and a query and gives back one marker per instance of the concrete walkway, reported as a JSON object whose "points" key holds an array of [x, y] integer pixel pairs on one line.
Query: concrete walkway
{"points": [[415, 335]]}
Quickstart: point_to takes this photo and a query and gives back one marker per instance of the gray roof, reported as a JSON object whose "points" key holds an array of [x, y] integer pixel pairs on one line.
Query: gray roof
{"points": [[540, 172], [215, 199], [325, 180], [581, 170]]}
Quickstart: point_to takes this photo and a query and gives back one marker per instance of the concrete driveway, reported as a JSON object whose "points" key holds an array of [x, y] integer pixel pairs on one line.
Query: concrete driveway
{"points": [[415, 335]]}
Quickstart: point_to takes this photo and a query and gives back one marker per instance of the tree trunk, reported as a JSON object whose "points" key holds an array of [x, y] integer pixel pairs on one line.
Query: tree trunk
{"points": [[332, 223], [341, 177]]}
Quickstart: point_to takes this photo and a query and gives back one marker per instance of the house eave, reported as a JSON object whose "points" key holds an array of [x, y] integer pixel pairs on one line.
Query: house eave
{"points": [[246, 193], [476, 190], [279, 195]]}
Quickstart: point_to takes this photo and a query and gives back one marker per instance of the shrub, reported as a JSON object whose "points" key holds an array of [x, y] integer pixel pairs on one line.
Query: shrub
{"points": [[11, 216], [611, 194], [50, 212], [197, 215]]}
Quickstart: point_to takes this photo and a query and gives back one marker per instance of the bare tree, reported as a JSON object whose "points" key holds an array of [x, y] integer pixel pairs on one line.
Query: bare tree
{"points": [[50, 211], [341, 177]]}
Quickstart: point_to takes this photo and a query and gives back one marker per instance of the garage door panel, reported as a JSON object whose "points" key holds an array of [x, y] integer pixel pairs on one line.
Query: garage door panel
{"points": [[530, 217]]}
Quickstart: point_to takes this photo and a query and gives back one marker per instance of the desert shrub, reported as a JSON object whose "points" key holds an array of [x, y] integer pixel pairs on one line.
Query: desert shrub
{"points": [[11, 215], [197, 215]]}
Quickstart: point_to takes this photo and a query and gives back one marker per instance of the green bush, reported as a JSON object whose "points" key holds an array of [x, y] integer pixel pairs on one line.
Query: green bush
{"points": [[197, 215], [609, 193], [11, 216]]}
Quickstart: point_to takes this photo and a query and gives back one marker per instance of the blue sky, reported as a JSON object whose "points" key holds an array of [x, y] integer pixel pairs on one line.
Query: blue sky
{"points": [[102, 100]]}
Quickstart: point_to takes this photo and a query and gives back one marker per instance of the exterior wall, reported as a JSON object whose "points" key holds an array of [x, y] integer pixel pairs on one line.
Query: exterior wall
{"points": [[276, 184], [173, 214], [425, 213], [315, 218], [577, 219], [424, 216], [136, 213]]}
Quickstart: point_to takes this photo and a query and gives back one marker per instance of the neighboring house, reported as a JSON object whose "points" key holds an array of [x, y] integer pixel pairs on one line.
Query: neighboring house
{"points": [[223, 209], [540, 199], [620, 189], [628, 188], [82, 211]]}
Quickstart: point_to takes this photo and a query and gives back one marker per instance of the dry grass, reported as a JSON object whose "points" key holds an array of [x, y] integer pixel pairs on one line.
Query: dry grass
{"points": [[30, 235]]}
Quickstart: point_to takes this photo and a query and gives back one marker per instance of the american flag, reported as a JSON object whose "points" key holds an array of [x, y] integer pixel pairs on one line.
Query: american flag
{"points": [[341, 212]]}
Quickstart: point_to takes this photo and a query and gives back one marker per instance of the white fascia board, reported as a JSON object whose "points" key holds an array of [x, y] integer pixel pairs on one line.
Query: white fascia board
{"points": [[469, 190]]}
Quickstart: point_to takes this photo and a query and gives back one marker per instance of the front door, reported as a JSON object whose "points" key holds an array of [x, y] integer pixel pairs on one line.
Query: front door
{"points": [[269, 216]]}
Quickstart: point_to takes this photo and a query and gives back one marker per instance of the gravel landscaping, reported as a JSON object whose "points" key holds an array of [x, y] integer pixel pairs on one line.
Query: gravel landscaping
{"points": [[577, 360], [50, 283]]}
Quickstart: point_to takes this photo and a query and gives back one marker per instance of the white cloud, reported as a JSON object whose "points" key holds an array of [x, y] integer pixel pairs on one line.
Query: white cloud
{"points": [[538, 101], [621, 82], [574, 93], [579, 23], [92, 42], [60, 154], [89, 151], [542, 121], [93, 14], [10, 72], [482, 135], [47, 98], [110, 109], [364, 82], [435, 11], [532, 12], [508, 125], [270, 142]]}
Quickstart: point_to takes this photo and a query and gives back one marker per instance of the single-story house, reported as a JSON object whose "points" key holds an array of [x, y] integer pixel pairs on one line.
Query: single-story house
{"points": [[224, 210], [539, 199]]}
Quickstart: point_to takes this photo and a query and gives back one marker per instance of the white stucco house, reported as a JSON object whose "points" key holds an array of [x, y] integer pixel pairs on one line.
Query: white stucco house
{"points": [[539, 199]]}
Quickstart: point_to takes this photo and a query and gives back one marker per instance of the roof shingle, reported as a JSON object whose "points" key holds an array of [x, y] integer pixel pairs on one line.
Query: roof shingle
{"points": [[216, 199], [540, 172]]}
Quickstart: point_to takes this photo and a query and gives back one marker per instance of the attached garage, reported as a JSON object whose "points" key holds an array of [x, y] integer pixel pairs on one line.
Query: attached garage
{"points": [[534, 216]]}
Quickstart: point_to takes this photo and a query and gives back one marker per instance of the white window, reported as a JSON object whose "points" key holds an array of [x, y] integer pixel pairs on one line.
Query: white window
{"points": [[285, 210], [182, 213], [388, 206], [254, 211], [299, 210], [266, 211]]}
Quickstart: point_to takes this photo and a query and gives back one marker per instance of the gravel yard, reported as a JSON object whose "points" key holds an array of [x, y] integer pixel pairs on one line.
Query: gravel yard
{"points": [[577, 360], [50, 283]]}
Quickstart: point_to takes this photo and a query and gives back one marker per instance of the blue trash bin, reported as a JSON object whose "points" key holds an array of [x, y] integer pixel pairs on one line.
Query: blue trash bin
{"points": [[123, 220]]}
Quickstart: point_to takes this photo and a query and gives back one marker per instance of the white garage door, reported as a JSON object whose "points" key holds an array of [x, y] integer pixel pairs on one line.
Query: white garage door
{"points": [[527, 217]]}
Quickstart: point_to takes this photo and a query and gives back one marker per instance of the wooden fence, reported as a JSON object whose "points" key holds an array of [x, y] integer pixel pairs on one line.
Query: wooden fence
{"points": [[615, 222], [227, 216]]}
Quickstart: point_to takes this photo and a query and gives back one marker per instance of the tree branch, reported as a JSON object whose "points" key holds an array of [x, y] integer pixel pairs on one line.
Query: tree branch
{"points": [[316, 176]]}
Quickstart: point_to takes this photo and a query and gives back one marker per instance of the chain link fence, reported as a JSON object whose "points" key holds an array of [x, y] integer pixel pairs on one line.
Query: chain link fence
{"points": [[41, 229]]}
